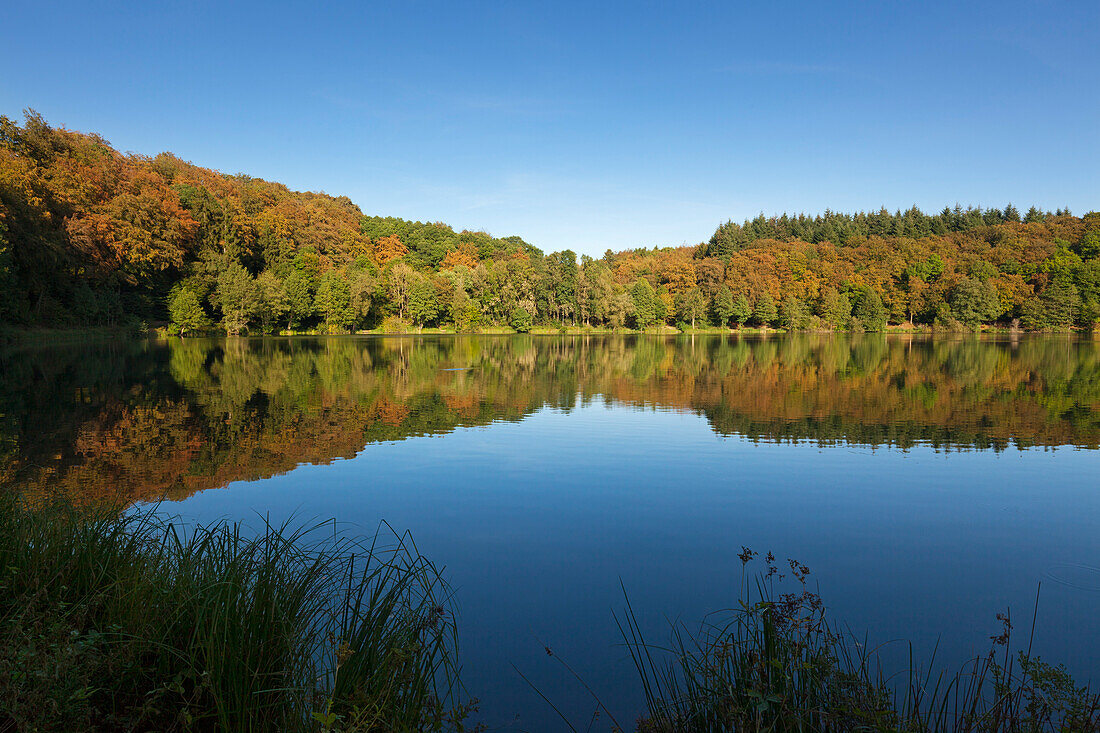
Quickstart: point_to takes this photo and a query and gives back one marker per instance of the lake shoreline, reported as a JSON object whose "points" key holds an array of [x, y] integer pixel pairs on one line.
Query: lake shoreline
{"points": [[78, 334]]}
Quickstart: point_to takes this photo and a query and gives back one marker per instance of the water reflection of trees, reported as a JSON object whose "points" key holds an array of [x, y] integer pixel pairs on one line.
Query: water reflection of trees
{"points": [[171, 418]]}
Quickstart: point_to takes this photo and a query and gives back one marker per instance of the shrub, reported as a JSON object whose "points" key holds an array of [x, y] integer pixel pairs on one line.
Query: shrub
{"points": [[521, 320]]}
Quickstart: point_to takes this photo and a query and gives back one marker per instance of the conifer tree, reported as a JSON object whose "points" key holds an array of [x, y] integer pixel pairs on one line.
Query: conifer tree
{"points": [[765, 311], [723, 307], [869, 310], [792, 314], [741, 310], [645, 313], [423, 303], [835, 308]]}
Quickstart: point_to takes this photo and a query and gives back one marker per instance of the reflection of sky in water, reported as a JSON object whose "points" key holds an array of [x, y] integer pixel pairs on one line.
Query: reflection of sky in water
{"points": [[537, 522]]}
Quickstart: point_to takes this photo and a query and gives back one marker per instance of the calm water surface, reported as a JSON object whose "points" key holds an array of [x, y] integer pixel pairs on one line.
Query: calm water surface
{"points": [[928, 483]]}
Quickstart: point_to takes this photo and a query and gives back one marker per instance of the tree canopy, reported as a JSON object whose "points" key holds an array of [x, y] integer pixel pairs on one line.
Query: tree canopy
{"points": [[91, 236]]}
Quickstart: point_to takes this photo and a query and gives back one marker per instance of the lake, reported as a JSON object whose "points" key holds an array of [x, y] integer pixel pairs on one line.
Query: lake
{"points": [[928, 483]]}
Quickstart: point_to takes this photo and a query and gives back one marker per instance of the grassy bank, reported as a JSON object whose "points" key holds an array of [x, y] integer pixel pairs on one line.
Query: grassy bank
{"points": [[121, 622], [17, 335], [115, 621], [38, 336]]}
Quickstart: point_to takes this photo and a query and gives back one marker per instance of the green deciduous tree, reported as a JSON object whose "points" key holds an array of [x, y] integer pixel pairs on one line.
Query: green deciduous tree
{"points": [[333, 301], [300, 288], [692, 305], [561, 269], [595, 290], [520, 320], [423, 302], [236, 296], [466, 312], [663, 305], [186, 312], [869, 311], [619, 308], [272, 300], [835, 309], [364, 294], [400, 279], [974, 301]]}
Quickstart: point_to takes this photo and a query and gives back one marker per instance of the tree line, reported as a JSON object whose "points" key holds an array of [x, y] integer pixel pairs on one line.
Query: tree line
{"points": [[91, 236]]}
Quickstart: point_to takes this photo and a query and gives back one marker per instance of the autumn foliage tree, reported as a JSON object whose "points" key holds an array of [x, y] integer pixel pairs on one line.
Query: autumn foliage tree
{"points": [[387, 249], [91, 236]]}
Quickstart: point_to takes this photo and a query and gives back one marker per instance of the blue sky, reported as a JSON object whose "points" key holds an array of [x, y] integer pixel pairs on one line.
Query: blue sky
{"points": [[587, 125]]}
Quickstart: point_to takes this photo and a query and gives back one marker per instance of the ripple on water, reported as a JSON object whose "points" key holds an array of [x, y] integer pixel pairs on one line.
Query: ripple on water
{"points": [[1075, 575]]}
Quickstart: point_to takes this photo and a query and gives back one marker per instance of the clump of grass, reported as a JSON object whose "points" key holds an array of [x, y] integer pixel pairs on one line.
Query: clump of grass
{"points": [[122, 621], [774, 663]]}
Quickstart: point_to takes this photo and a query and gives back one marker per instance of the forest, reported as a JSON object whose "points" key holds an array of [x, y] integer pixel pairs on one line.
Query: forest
{"points": [[90, 237]]}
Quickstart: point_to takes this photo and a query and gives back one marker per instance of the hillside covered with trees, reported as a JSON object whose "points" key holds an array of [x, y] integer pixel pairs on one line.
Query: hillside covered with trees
{"points": [[91, 236]]}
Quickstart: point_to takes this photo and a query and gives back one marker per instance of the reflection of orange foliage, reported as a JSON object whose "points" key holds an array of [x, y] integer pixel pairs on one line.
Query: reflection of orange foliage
{"points": [[125, 454], [391, 413], [388, 248], [464, 254], [467, 404], [873, 390], [460, 401]]}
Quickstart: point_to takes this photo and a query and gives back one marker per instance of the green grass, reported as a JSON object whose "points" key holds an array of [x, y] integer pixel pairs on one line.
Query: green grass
{"points": [[39, 335], [114, 621]]}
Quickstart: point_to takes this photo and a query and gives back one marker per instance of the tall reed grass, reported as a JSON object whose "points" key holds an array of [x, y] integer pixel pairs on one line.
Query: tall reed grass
{"points": [[773, 663], [116, 621], [122, 621]]}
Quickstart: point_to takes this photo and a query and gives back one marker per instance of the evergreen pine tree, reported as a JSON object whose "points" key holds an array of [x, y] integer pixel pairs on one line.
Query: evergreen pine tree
{"points": [[741, 310], [792, 314], [765, 311], [723, 307], [869, 310]]}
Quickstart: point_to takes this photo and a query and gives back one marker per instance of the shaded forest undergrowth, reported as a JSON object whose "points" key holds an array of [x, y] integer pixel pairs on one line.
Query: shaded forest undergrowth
{"points": [[114, 621]]}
